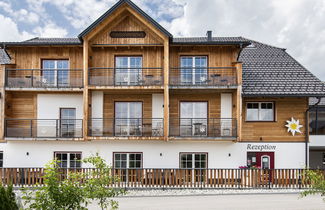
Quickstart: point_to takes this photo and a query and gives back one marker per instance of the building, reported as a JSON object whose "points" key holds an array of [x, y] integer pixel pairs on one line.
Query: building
{"points": [[317, 133], [127, 89]]}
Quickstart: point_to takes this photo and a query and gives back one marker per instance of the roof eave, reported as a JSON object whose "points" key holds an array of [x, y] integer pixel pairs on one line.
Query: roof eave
{"points": [[243, 44], [17, 44], [283, 95]]}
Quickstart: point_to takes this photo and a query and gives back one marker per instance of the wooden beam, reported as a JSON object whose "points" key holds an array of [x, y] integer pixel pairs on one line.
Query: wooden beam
{"points": [[2, 101], [166, 89], [86, 91], [239, 105]]}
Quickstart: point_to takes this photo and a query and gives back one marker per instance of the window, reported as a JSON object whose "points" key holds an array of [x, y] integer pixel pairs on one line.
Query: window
{"points": [[260, 111], [317, 121], [193, 69], [193, 118], [193, 160], [55, 72], [128, 118], [68, 159], [1, 159], [127, 160], [323, 158], [128, 70], [68, 122]]}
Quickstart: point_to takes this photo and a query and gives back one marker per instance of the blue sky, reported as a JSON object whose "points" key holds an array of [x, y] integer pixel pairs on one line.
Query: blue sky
{"points": [[297, 25]]}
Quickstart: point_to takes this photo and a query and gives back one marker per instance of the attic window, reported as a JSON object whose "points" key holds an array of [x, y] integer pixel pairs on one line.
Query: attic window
{"points": [[127, 34]]}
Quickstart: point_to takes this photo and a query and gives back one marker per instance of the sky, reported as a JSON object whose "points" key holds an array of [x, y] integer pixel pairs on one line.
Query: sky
{"points": [[297, 25]]}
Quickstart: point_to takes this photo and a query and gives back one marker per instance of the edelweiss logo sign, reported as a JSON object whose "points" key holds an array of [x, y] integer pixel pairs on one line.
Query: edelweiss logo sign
{"points": [[293, 126]]}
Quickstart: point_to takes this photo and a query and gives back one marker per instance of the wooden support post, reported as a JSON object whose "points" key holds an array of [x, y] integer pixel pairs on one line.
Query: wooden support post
{"points": [[86, 91], [166, 89], [239, 105], [2, 101]]}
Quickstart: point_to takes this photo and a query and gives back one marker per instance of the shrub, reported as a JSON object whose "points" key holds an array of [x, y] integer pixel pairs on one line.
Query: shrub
{"points": [[7, 198], [317, 182]]}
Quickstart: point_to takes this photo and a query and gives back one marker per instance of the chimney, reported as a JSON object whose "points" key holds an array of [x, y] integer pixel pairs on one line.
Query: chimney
{"points": [[209, 35]]}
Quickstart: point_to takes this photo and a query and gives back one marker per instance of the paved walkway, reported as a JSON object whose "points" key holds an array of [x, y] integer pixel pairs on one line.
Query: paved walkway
{"points": [[229, 202]]}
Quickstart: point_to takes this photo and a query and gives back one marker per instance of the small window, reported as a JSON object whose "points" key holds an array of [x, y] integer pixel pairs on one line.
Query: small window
{"points": [[1, 159], [260, 111], [68, 159], [127, 160], [323, 158], [193, 160]]}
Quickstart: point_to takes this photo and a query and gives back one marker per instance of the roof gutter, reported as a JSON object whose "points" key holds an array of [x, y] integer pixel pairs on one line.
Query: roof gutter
{"points": [[307, 129]]}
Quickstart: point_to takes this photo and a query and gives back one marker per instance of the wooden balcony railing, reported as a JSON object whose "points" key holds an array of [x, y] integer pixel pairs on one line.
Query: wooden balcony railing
{"points": [[203, 127], [126, 127], [126, 76], [44, 78], [176, 178], [43, 128], [203, 76]]}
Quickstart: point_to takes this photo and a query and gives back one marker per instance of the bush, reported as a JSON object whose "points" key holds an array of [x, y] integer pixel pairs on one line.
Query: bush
{"points": [[317, 182], [7, 198]]}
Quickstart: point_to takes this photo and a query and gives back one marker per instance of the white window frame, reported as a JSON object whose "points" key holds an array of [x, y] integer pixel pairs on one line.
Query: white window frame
{"points": [[193, 159], [1, 160], [259, 111], [269, 158], [129, 70], [128, 119], [55, 69], [193, 119], [128, 159], [194, 67], [68, 158]]}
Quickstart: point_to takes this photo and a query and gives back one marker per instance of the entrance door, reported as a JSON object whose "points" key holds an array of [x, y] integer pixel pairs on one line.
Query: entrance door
{"points": [[263, 160]]}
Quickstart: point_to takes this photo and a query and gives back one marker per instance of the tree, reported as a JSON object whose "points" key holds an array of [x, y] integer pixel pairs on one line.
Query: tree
{"points": [[57, 193], [317, 182], [74, 189], [98, 181], [7, 198]]}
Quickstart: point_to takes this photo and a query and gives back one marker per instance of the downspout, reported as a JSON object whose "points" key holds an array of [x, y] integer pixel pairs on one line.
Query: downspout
{"points": [[307, 128]]}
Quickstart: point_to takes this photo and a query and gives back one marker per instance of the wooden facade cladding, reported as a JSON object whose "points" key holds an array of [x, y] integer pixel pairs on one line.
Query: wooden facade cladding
{"points": [[21, 105], [285, 108]]}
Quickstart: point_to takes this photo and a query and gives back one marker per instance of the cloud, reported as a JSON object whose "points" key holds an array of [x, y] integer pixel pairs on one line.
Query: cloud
{"points": [[10, 32], [21, 15], [50, 30]]}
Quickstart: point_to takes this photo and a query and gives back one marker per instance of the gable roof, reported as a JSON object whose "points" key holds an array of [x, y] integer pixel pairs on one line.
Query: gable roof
{"points": [[114, 8], [271, 71], [4, 57]]}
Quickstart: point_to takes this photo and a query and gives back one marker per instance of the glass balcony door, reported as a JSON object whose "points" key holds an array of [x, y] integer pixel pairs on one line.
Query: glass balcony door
{"points": [[193, 118], [67, 122], [128, 118], [128, 70], [55, 73], [193, 70]]}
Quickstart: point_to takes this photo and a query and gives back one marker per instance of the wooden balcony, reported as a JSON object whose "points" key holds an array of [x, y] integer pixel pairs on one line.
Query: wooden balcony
{"points": [[43, 129], [130, 128], [203, 128], [126, 77], [203, 77], [44, 78]]}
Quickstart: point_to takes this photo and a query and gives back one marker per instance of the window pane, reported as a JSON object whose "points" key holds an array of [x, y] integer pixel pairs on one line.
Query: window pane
{"points": [[252, 111], [266, 112]]}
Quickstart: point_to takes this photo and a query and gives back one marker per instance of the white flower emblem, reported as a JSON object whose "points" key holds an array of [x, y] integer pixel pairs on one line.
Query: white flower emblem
{"points": [[293, 126]]}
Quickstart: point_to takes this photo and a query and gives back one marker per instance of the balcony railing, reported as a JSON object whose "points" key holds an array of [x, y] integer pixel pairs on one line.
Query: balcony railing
{"points": [[126, 76], [44, 78], [203, 76], [126, 127], [203, 127], [43, 128]]}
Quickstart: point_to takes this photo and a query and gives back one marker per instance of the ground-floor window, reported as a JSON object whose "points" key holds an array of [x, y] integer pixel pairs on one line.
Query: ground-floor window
{"points": [[1, 159], [263, 160], [193, 160], [68, 159], [126, 165]]}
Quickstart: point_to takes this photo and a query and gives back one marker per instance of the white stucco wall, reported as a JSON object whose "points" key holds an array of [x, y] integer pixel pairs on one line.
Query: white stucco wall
{"points": [[287, 155], [317, 141], [48, 111], [97, 106]]}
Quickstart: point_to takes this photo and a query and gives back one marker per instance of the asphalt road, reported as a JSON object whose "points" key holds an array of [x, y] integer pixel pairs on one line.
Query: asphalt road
{"points": [[229, 202]]}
